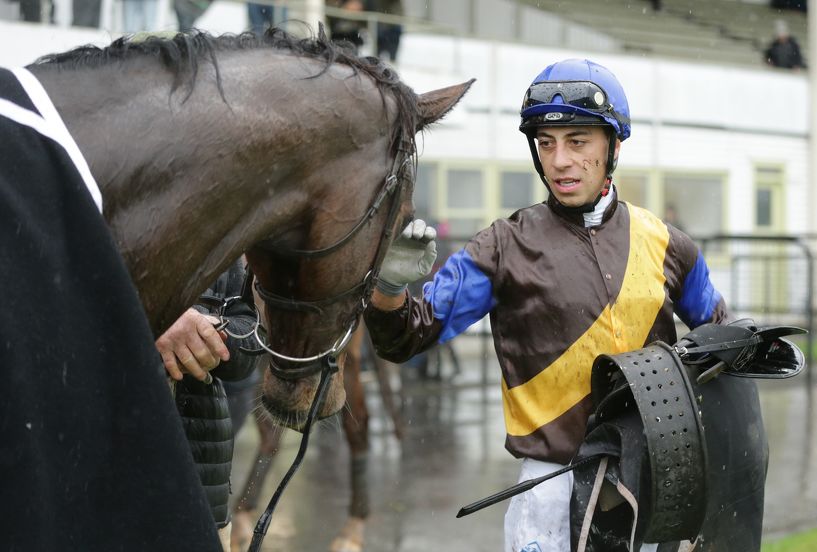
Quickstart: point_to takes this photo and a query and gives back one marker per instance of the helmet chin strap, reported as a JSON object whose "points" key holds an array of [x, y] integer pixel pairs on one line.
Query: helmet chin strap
{"points": [[608, 180]]}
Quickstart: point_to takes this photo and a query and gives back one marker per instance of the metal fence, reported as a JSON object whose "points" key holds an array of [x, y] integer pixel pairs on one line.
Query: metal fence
{"points": [[767, 278]]}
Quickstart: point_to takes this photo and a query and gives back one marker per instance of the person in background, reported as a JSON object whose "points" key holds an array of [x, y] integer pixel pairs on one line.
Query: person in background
{"points": [[796, 5], [784, 51], [346, 30], [31, 11], [139, 15], [86, 13], [197, 357], [187, 11], [264, 16], [671, 217], [388, 34]]}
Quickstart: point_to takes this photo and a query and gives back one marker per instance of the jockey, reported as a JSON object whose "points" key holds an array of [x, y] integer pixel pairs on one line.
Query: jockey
{"points": [[581, 274]]}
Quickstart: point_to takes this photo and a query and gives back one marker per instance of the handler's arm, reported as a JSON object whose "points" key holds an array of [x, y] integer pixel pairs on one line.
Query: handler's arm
{"points": [[192, 345], [241, 318]]}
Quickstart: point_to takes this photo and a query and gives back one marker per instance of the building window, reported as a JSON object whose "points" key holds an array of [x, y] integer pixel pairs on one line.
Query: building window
{"points": [[425, 186], [465, 189], [696, 203], [632, 188], [763, 207], [769, 198], [516, 189], [461, 228]]}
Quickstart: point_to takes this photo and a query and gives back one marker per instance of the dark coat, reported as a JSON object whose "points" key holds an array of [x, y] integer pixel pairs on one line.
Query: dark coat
{"points": [[204, 408], [785, 53], [93, 455]]}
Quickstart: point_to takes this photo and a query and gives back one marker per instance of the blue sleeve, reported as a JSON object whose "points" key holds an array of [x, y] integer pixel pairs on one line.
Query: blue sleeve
{"points": [[460, 295], [699, 298]]}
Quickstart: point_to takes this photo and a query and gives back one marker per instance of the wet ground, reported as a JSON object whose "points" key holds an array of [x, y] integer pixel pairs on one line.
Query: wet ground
{"points": [[453, 454]]}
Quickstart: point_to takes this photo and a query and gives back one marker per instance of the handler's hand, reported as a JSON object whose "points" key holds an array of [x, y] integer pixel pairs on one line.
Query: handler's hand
{"points": [[409, 258], [192, 345]]}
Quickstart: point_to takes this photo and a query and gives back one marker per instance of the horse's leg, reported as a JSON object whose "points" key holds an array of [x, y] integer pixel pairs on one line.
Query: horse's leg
{"points": [[246, 512], [356, 427], [381, 368]]}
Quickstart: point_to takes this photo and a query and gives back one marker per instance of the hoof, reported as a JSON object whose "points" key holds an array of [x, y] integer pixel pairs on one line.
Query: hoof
{"points": [[351, 537], [241, 534], [224, 537]]}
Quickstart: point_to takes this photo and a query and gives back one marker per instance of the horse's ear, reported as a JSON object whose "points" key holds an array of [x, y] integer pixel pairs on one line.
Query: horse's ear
{"points": [[435, 104]]}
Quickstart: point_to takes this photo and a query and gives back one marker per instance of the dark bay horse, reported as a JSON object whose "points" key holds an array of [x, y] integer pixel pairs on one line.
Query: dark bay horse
{"points": [[203, 148], [207, 147]]}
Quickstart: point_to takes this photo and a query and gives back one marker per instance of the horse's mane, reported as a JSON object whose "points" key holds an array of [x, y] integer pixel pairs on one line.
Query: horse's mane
{"points": [[182, 52]]}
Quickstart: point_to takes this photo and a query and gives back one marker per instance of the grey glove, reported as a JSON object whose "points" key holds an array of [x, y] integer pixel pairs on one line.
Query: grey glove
{"points": [[409, 258]]}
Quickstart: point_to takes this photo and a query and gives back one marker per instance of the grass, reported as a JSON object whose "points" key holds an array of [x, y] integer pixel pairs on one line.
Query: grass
{"points": [[800, 542]]}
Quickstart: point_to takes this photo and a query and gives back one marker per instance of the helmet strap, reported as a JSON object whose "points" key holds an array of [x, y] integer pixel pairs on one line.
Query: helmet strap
{"points": [[611, 155], [588, 207], [536, 163], [606, 189]]}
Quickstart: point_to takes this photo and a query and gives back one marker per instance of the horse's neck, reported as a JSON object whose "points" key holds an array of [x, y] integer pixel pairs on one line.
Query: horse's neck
{"points": [[187, 186]]}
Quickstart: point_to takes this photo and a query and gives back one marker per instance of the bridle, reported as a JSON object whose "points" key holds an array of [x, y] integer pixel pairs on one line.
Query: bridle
{"points": [[325, 362], [311, 365]]}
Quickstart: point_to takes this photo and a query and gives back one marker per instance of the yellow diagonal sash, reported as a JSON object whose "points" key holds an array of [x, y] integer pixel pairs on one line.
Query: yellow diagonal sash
{"points": [[622, 327]]}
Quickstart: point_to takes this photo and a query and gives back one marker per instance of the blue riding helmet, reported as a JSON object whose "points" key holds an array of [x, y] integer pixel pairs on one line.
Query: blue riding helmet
{"points": [[576, 92]]}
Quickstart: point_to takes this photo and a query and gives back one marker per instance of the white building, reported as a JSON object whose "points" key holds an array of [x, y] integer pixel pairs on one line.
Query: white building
{"points": [[722, 139]]}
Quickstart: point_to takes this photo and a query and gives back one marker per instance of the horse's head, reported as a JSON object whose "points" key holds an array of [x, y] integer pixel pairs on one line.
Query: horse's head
{"points": [[294, 151], [315, 277]]}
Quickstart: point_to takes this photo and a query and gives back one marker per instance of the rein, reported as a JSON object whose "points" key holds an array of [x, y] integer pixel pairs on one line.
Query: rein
{"points": [[330, 367], [325, 362]]}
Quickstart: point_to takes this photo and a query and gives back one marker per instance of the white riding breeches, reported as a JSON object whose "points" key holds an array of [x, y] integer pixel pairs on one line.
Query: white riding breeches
{"points": [[539, 520]]}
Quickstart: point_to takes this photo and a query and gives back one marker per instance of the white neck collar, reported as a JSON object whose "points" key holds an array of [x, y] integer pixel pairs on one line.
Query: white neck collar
{"points": [[594, 217]]}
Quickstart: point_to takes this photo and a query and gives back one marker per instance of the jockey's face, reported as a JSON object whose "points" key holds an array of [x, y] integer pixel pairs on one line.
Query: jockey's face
{"points": [[574, 160]]}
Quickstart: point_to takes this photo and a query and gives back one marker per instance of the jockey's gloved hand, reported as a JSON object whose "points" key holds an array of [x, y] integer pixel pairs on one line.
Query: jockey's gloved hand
{"points": [[409, 258]]}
